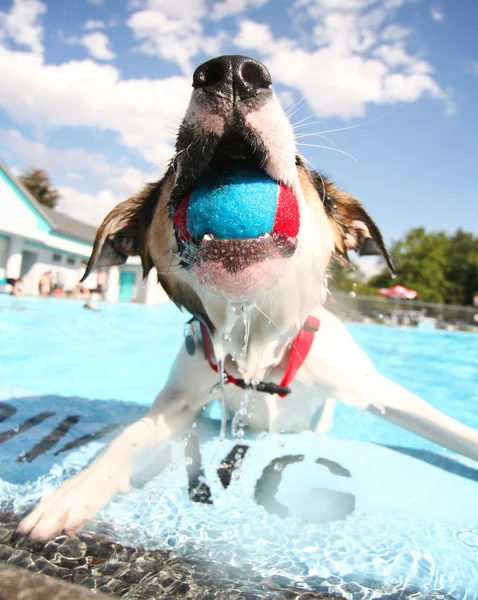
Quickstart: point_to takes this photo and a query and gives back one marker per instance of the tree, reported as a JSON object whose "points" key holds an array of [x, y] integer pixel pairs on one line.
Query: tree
{"points": [[348, 279], [442, 268], [40, 187], [462, 267]]}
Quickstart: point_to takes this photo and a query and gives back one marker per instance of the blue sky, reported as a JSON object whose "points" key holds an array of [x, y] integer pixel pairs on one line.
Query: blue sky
{"points": [[92, 91]]}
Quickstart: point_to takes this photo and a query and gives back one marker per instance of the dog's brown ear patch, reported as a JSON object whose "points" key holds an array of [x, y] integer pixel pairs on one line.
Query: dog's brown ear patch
{"points": [[354, 227], [123, 232]]}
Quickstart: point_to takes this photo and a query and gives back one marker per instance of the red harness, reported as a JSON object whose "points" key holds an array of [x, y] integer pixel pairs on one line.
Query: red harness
{"points": [[300, 348]]}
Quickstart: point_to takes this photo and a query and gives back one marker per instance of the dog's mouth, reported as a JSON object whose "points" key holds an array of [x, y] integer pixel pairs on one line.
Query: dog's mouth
{"points": [[229, 214]]}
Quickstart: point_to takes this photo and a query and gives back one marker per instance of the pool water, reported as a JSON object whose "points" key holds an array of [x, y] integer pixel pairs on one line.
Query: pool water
{"points": [[58, 356]]}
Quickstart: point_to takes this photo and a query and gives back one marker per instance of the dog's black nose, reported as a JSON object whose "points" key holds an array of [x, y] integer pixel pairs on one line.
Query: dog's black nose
{"points": [[232, 76]]}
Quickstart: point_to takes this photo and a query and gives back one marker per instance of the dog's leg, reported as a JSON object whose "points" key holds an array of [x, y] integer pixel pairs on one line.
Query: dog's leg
{"points": [[81, 497], [336, 364]]}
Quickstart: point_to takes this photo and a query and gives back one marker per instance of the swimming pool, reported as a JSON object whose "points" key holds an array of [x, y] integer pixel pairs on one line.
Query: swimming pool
{"points": [[57, 350]]}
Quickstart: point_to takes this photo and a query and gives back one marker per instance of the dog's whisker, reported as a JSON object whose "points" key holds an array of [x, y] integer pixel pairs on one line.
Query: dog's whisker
{"points": [[365, 123], [305, 121], [328, 148], [292, 113], [294, 106], [299, 137], [271, 320], [301, 124]]}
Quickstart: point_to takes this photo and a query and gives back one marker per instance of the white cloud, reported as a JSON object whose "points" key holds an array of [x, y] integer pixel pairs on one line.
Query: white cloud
{"points": [[21, 25], [190, 9], [115, 181], [89, 208], [88, 94], [97, 44], [94, 24], [173, 30], [229, 8], [77, 164], [436, 14], [355, 57]]}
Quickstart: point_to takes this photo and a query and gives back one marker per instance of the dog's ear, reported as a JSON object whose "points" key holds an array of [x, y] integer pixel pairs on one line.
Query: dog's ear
{"points": [[123, 232], [354, 227]]}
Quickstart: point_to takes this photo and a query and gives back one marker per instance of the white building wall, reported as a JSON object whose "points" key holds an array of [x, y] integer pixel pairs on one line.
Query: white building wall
{"points": [[13, 263], [149, 291], [16, 217], [4, 241], [24, 229], [47, 260]]}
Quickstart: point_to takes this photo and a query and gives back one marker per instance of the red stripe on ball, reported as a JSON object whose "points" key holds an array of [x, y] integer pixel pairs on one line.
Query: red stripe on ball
{"points": [[180, 219], [287, 219]]}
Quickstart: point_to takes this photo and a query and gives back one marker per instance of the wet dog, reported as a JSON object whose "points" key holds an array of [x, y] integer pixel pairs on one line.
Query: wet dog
{"points": [[250, 296]]}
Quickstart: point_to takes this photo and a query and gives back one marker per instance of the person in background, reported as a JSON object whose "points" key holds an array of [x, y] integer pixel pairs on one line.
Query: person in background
{"points": [[12, 286], [59, 284], [17, 287], [101, 283], [45, 284]]}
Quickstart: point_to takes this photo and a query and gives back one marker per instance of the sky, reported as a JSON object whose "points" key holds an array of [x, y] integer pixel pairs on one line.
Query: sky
{"points": [[383, 94]]}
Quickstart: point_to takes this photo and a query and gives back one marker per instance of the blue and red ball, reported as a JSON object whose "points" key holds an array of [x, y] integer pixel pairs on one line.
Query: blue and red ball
{"points": [[237, 203]]}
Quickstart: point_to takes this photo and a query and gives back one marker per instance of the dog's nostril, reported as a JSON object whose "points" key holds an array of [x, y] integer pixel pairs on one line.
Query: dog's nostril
{"points": [[256, 74], [209, 74]]}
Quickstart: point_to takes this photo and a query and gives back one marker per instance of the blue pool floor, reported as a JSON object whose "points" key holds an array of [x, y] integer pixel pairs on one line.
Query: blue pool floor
{"points": [[108, 366]]}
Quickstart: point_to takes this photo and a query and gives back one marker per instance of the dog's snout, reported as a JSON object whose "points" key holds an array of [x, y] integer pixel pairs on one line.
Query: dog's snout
{"points": [[237, 77]]}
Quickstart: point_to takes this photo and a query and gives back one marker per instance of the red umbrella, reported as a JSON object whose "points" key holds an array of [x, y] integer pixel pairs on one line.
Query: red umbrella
{"points": [[398, 291]]}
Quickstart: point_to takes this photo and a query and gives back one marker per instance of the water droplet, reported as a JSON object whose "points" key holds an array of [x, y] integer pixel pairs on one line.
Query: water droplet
{"points": [[278, 467], [354, 284], [236, 308], [255, 383], [16, 428], [194, 425], [380, 316], [240, 433], [353, 295], [189, 461]]}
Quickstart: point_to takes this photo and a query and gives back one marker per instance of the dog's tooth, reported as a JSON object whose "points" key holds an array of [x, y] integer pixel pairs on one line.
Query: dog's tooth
{"points": [[265, 236], [208, 237]]}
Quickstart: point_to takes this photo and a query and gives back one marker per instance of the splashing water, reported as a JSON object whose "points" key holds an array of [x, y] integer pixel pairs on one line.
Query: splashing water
{"points": [[222, 381], [239, 421], [246, 317]]}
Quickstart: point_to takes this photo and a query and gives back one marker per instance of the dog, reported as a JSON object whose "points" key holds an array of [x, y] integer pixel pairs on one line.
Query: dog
{"points": [[252, 300]]}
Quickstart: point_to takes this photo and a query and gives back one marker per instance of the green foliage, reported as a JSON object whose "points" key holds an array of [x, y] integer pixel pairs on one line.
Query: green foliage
{"points": [[40, 187], [441, 267], [348, 279]]}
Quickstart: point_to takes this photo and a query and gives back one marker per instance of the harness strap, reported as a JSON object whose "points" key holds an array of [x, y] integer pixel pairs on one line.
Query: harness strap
{"points": [[300, 348]]}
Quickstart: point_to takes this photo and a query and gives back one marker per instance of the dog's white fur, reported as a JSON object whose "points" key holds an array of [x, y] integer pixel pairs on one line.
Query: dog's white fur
{"points": [[335, 367]]}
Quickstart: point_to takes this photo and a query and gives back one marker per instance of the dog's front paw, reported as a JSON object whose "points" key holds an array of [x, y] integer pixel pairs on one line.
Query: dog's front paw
{"points": [[69, 507]]}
